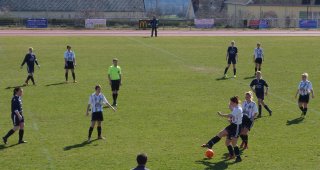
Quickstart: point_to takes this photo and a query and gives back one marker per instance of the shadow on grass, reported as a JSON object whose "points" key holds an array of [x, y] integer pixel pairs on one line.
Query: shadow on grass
{"points": [[12, 87], [295, 121], [79, 145], [249, 77], [56, 84], [215, 165], [6, 147], [222, 78]]}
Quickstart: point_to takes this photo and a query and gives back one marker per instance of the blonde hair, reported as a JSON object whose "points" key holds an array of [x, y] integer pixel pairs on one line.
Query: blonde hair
{"points": [[30, 48], [249, 93], [305, 75]]}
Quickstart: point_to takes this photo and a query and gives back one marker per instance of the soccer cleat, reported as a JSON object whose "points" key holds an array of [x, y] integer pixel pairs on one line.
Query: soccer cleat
{"points": [[259, 116], [302, 115], [234, 76], [22, 141], [89, 140], [101, 137], [205, 145], [5, 140], [270, 113], [74, 81], [225, 76], [231, 156], [238, 159], [114, 105], [242, 144]]}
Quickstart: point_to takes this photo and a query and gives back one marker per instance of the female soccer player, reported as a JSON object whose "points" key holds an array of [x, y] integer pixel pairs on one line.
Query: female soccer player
{"points": [[232, 131], [96, 101], [258, 57], [231, 57], [304, 90], [69, 63], [30, 59], [258, 85], [16, 116], [250, 111]]}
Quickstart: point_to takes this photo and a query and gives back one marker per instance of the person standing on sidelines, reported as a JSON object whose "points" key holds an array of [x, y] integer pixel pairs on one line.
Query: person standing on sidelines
{"points": [[154, 26], [16, 116], [69, 63], [114, 76], [96, 101], [250, 111], [232, 131], [30, 59], [257, 86], [304, 90], [258, 57], [231, 57]]}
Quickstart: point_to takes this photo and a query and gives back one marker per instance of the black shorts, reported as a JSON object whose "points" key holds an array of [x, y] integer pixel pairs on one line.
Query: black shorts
{"points": [[69, 65], [258, 60], [30, 69], [97, 116], [233, 130], [304, 98], [15, 120], [260, 95], [246, 122], [232, 60], [115, 85]]}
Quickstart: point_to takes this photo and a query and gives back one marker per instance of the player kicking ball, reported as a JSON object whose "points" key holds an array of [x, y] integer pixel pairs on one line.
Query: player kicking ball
{"points": [[96, 101]]}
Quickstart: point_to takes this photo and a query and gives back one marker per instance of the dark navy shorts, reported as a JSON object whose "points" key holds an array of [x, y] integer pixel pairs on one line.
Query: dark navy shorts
{"points": [[304, 98], [69, 65], [258, 60], [115, 85], [97, 116], [233, 130], [30, 69], [15, 120], [246, 122], [232, 60], [260, 95]]}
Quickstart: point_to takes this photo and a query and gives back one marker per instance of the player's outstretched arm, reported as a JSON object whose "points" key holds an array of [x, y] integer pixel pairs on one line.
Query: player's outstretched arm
{"points": [[223, 115], [88, 109]]}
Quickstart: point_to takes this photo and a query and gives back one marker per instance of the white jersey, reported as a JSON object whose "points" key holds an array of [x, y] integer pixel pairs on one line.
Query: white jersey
{"points": [[69, 55], [237, 115], [258, 53], [96, 102], [305, 87], [249, 109]]}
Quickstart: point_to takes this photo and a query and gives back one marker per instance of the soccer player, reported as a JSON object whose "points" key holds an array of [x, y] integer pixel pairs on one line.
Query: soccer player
{"points": [[114, 76], [69, 63], [257, 85], [16, 116], [304, 90], [30, 59], [142, 161], [231, 57], [250, 111], [96, 101], [154, 26], [232, 131], [258, 57]]}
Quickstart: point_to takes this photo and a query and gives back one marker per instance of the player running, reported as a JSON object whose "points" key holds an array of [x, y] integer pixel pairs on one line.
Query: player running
{"points": [[231, 57], [257, 85], [250, 111], [304, 90], [258, 57], [30, 59], [16, 116], [232, 131], [96, 101], [114, 76], [69, 63]]}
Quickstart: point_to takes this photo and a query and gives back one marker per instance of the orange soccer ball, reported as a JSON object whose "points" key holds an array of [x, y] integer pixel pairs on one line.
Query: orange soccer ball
{"points": [[209, 153]]}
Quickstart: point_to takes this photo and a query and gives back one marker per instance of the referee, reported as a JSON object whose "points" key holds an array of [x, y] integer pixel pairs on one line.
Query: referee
{"points": [[96, 100], [16, 116], [69, 63], [114, 76], [30, 59]]}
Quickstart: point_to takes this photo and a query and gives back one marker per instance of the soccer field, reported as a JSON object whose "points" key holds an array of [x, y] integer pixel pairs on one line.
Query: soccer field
{"points": [[166, 107]]}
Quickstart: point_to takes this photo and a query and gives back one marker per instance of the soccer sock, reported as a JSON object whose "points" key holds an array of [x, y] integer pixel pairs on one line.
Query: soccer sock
{"points": [[260, 109], [242, 137], [305, 111], [226, 70], [90, 132], [245, 139], [234, 71], [255, 70], [74, 76], [66, 75], [99, 131], [236, 151], [230, 149], [32, 79], [28, 78], [259, 69], [9, 134], [213, 141], [267, 108], [301, 108], [21, 132], [114, 98]]}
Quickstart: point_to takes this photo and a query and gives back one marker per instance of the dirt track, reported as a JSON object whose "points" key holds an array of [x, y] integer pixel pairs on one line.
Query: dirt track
{"points": [[145, 33]]}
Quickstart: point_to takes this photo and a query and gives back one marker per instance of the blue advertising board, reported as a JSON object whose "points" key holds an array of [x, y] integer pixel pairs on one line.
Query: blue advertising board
{"points": [[264, 23], [37, 23], [308, 23]]}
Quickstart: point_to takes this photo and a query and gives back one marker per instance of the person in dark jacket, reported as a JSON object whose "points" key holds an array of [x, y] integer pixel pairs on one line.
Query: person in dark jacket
{"points": [[30, 59], [141, 160], [154, 26]]}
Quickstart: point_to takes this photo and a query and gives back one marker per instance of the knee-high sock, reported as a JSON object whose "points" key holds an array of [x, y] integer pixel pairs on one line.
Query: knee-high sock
{"points": [[305, 111], [114, 97], [236, 151], [267, 108], [66, 75], [226, 70], [90, 132], [21, 132], [234, 71], [28, 78], [301, 108], [10, 132], [245, 139], [213, 141], [99, 131], [260, 109], [74, 76], [255, 70], [230, 149], [32, 79]]}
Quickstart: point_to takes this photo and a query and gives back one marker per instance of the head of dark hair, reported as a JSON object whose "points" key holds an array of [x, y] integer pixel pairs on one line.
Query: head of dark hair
{"points": [[235, 99], [68, 46], [142, 158], [15, 90], [97, 87]]}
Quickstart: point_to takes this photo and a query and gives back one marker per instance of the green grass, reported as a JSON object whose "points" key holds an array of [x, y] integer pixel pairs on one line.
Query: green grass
{"points": [[167, 104]]}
